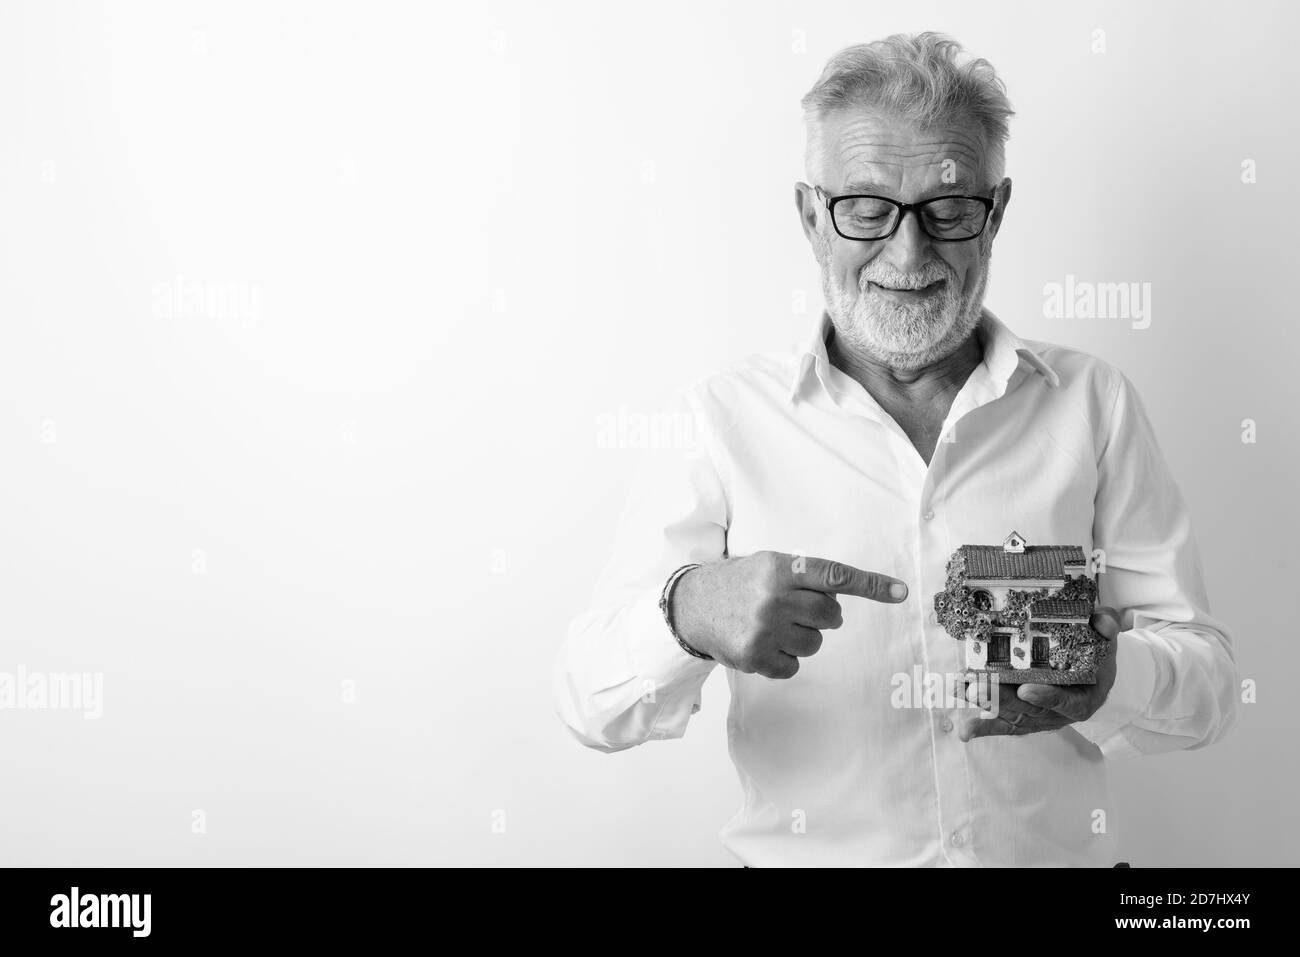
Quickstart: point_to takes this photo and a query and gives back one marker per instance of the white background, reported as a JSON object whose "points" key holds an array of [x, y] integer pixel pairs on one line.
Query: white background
{"points": [[471, 231]]}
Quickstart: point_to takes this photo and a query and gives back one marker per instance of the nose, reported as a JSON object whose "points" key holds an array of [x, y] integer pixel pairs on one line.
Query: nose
{"points": [[909, 248]]}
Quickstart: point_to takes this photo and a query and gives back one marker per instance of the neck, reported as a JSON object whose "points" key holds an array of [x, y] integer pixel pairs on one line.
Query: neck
{"points": [[944, 376]]}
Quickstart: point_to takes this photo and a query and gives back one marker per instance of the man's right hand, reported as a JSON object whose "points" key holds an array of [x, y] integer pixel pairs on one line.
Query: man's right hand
{"points": [[760, 614]]}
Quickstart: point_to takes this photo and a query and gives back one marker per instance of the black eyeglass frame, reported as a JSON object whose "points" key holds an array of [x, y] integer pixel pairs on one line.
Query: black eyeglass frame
{"points": [[988, 202]]}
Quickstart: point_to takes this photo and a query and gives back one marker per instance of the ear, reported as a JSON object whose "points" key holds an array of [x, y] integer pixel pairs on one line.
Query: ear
{"points": [[1003, 197], [810, 209]]}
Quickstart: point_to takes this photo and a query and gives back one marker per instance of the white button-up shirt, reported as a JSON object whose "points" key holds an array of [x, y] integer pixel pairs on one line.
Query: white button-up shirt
{"points": [[846, 763]]}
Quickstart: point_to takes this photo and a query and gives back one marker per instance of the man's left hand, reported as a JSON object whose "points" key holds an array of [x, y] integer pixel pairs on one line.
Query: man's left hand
{"points": [[1040, 707]]}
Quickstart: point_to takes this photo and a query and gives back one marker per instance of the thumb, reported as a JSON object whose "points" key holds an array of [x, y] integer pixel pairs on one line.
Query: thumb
{"points": [[1105, 621]]}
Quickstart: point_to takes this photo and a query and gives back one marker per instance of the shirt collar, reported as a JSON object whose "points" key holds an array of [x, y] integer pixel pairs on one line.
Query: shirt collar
{"points": [[1003, 353]]}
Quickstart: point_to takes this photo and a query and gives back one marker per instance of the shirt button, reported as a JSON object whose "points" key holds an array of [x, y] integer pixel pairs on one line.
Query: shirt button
{"points": [[928, 515], [956, 839]]}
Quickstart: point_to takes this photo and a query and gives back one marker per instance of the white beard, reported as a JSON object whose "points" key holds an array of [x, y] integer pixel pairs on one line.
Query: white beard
{"points": [[904, 335]]}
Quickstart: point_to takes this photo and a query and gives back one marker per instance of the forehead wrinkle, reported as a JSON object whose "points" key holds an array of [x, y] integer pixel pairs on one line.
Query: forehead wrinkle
{"points": [[857, 167], [948, 143], [888, 150], [901, 158], [867, 125], [861, 167]]}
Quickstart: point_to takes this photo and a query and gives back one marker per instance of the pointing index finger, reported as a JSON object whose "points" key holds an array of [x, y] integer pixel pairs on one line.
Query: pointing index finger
{"points": [[837, 578]]}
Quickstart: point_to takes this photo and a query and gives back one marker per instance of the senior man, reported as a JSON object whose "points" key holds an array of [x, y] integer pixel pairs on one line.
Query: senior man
{"points": [[799, 541]]}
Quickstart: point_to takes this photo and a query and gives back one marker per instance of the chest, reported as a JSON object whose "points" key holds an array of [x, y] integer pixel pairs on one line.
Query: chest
{"points": [[854, 489], [922, 423]]}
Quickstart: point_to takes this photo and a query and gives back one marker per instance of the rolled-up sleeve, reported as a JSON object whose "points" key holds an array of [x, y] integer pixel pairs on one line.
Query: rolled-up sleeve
{"points": [[1176, 679], [621, 678]]}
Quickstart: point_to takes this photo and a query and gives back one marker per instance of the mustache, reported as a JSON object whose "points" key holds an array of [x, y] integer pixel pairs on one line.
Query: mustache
{"points": [[883, 274]]}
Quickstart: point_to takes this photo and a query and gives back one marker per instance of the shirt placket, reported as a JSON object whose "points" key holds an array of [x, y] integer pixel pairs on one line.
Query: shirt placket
{"points": [[928, 549], [951, 769], [935, 545]]}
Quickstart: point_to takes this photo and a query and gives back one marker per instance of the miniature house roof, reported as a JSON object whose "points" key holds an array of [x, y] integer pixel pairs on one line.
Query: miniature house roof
{"points": [[1059, 609], [993, 562]]}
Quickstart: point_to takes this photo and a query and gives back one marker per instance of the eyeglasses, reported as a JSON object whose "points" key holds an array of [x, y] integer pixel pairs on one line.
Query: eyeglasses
{"points": [[945, 219]]}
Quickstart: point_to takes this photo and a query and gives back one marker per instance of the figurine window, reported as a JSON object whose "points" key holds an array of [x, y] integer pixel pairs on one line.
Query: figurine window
{"points": [[982, 599]]}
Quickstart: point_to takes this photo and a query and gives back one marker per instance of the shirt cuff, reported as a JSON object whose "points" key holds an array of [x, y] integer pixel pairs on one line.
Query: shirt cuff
{"points": [[1129, 697]]}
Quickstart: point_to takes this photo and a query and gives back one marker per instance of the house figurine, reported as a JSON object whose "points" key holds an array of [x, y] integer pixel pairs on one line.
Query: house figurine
{"points": [[1023, 612]]}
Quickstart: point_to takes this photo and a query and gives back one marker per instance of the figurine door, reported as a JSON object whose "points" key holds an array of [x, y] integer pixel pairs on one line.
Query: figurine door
{"points": [[1000, 648]]}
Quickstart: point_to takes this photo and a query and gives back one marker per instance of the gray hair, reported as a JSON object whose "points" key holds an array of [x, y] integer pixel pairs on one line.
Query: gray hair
{"points": [[916, 77]]}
